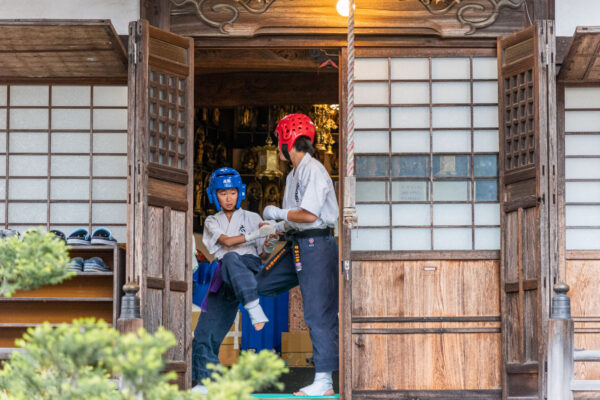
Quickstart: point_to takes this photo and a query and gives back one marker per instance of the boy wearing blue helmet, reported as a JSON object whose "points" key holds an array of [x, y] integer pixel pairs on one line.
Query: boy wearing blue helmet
{"points": [[237, 239]]}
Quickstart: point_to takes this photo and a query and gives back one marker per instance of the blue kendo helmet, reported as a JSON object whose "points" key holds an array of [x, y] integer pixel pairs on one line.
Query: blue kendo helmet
{"points": [[225, 178]]}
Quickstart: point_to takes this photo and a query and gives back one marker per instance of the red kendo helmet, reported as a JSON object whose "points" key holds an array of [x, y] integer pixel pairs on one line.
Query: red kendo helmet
{"points": [[290, 128]]}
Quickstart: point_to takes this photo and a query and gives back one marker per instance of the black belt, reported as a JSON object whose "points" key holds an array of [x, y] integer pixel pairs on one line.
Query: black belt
{"points": [[292, 237]]}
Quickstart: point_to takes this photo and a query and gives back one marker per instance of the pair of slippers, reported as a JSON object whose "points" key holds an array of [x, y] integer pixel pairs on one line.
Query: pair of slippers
{"points": [[101, 236], [94, 264]]}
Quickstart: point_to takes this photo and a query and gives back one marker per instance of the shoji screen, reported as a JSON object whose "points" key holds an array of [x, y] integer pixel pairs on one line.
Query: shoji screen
{"points": [[582, 168], [63, 157], [426, 154]]}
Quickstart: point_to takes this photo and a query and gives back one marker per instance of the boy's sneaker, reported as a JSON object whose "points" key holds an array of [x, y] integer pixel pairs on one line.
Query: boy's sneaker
{"points": [[103, 236], [79, 236], [59, 235], [95, 264], [6, 233], [75, 264]]}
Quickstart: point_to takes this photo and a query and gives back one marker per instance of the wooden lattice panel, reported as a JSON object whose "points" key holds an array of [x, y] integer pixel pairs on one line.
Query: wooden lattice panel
{"points": [[519, 120], [167, 119]]}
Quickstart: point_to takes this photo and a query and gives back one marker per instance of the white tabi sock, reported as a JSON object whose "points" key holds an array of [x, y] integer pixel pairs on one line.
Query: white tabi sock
{"points": [[322, 383], [256, 312]]}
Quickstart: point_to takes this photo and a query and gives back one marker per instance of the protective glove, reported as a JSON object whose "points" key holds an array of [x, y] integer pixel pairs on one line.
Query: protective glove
{"points": [[272, 212], [280, 226], [262, 232], [270, 244]]}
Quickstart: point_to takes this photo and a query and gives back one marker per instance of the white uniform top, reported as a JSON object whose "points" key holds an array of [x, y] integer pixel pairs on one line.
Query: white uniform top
{"points": [[309, 187], [242, 221]]}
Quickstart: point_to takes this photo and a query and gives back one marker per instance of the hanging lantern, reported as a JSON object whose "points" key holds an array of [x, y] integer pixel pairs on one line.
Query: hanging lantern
{"points": [[268, 161]]}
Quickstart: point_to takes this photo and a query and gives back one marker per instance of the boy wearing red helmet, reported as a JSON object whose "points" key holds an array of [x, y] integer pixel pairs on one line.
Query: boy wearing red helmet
{"points": [[309, 214]]}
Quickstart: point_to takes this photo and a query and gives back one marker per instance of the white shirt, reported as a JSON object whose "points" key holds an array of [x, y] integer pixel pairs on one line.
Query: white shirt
{"points": [[309, 187], [242, 222]]}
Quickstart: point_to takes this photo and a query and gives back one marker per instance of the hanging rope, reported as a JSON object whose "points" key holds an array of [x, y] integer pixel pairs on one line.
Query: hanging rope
{"points": [[350, 126]]}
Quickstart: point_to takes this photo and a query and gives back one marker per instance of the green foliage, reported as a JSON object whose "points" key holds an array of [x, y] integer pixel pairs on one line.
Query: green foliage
{"points": [[77, 361], [39, 259], [252, 373]]}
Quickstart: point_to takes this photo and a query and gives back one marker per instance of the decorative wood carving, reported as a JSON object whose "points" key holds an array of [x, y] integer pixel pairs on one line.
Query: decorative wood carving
{"points": [[225, 8]]}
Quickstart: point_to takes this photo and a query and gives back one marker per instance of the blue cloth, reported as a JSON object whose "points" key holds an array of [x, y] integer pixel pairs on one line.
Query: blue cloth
{"points": [[201, 280], [276, 309]]}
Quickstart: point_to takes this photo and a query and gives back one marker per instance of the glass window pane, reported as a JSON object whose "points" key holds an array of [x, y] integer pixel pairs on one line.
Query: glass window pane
{"points": [[367, 142], [410, 191], [34, 213], [452, 214], [71, 96], [451, 92], [3, 118], [27, 189], [2, 211], [410, 142], [3, 165], [3, 95], [582, 192], [110, 142], [487, 239], [582, 97], [2, 189], [109, 213], [582, 215], [451, 117], [110, 119], [410, 68], [450, 68], [581, 121], [109, 189], [70, 118], [486, 190], [485, 165], [586, 168], [410, 166], [485, 141], [110, 166], [487, 214], [370, 239], [410, 117], [485, 68], [583, 239], [411, 214], [28, 165], [110, 96], [451, 166], [371, 68], [371, 93], [411, 239], [372, 191], [371, 117], [70, 189], [70, 213], [28, 142], [70, 165], [24, 118], [29, 95], [70, 142], [485, 117], [410, 93], [582, 145], [451, 141], [367, 166], [2, 142], [452, 239], [373, 214], [451, 191], [485, 92]]}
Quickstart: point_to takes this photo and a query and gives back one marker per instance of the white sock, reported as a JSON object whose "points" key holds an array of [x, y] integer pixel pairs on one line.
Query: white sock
{"points": [[256, 312], [322, 383], [200, 389]]}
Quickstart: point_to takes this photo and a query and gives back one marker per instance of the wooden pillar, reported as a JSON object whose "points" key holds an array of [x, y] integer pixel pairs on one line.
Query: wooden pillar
{"points": [[130, 319], [157, 12], [560, 346]]}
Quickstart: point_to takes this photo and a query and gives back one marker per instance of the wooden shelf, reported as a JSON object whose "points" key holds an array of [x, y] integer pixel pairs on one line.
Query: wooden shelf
{"points": [[110, 273], [92, 248], [55, 299]]}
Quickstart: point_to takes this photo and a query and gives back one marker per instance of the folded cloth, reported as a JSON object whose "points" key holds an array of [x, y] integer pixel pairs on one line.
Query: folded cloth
{"points": [[95, 264], [75, 264], [79, 236], [103, 236]]}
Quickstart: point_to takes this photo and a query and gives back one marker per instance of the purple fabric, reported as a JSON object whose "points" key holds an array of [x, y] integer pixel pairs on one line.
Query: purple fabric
{"points": [[215, 284]]}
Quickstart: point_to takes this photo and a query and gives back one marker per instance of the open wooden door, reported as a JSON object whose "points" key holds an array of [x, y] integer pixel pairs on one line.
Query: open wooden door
{"points": [[529, 218], [160, 173]]}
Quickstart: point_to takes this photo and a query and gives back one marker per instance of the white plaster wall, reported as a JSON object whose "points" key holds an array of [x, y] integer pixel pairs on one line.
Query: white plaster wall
{"points": [[573, 13], [120, 12]]}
